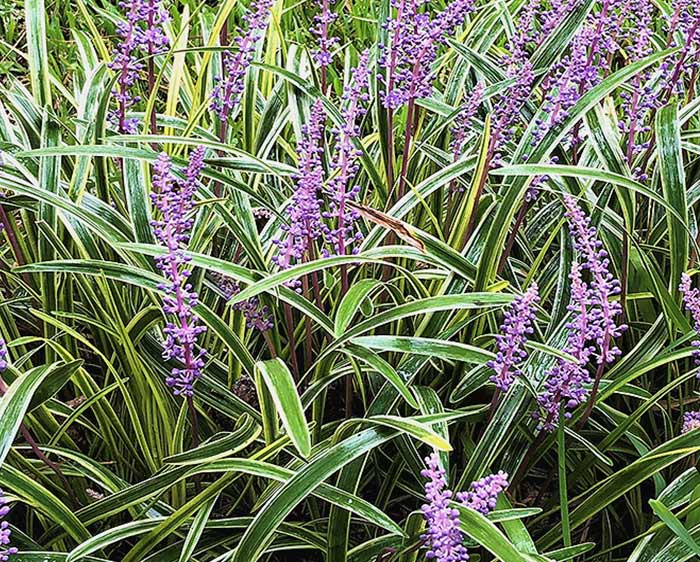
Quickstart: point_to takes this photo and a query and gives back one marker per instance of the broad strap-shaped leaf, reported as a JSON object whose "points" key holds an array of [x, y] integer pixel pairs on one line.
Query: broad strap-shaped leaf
{"points": [[419, 430], [484, 532], [280, 385], [673, 523], [15, 403], [626, 479], [668, 133], [351, 302], [439, 349], [34, 494], [261, 531], [384, 369], [196, 529], [220, 445]]}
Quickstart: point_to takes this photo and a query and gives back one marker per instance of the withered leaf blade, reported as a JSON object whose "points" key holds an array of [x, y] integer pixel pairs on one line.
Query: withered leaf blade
{"points": [[382, 219]]}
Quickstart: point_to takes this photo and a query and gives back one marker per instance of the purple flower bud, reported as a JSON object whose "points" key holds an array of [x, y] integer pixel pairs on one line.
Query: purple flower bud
{"points": [[516, 327], [691, 420], [5, 551], [483, 493], [175, 201], [443, 535]]}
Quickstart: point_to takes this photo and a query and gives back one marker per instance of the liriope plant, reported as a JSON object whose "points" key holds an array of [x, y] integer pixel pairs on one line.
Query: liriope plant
{"points": [[360, 281]]}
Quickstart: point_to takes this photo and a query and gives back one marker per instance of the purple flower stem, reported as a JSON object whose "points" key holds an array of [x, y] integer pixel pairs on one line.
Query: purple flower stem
{"points": [[589, 60], [308, 340], [314, 275], [387, 552], [195, 438], [408, 136], [630, 158], [223, 124], [9, 228], [390, 111], [670, 87], [390, 150], [324, 39], [495, 399], [218, 186], [151, 69], [411, 115], [679, 64], [691, 86], [633, 122], [511, 238], [270, 344], [624, 268], [528, 458], [289, 319], [123, 76], [693, 253], [596, 384]]}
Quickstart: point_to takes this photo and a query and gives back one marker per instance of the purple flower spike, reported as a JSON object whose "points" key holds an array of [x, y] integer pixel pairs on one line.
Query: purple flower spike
{"points": [[229, 88], [322, 55], [684, 32], [516, 327], [584, 66], [691, 300], [638, 104], [175, 201], [414, 41], [592, 329], [141, 34], [5, 532], [125, 63], [551, 18], [483, 493], [603, 284], [257, 317], [344, 165], [153, 37], [443, 535], [565, 382], [305, 211]]}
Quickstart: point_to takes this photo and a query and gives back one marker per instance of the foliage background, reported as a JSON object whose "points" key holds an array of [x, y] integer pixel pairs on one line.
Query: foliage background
{"points": [[82, 315]]}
